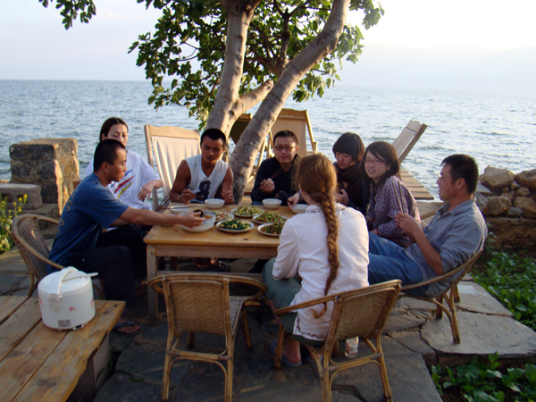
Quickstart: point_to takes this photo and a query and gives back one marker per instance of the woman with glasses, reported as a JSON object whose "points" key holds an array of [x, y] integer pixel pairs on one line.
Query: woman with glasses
{"points": [[388, 195], [275, 175]]}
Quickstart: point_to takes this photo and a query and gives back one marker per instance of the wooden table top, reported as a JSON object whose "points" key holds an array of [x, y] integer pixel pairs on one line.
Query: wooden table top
{"points": [[177, 236], [42, 364]]}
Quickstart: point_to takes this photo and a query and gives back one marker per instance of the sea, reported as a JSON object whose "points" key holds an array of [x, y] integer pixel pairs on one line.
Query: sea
{"points": [[497, 130]]}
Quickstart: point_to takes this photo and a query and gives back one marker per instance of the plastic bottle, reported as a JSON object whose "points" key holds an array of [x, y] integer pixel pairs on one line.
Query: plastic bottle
{"points": [[351, 348]]}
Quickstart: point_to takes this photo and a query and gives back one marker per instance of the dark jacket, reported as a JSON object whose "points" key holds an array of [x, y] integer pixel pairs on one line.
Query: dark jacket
{"points": [[282, 181]]}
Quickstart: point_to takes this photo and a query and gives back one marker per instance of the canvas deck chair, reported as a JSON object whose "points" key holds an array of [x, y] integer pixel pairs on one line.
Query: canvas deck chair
{"points": [[408, 138], [298, 122], [166, 147]]}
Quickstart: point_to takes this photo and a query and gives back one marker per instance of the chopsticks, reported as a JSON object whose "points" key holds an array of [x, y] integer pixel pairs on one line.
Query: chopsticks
{"points": [[277, 173]]}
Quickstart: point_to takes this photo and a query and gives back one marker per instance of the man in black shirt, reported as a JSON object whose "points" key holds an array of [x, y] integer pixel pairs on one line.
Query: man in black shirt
{"points": [[275, 175]]}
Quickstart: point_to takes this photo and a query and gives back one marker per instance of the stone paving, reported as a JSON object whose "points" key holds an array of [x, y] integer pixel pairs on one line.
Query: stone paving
{"points": [[412, 339]]}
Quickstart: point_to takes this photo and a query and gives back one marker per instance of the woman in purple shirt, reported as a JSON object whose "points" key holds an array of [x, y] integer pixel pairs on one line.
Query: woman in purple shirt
{"points": [[388, 195]]}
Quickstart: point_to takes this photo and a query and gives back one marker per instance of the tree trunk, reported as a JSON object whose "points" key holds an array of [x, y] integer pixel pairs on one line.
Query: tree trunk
{"points": [[226, 108], [246, 150]]}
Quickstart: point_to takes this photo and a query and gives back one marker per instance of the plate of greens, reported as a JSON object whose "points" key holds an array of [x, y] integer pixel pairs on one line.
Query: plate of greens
{"points": [[271, 229], [247, 211], [235, 226], [269, 217]]}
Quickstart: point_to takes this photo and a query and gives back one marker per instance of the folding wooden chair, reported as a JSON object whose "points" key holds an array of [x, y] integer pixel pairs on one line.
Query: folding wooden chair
{"points": [[408, 138]]}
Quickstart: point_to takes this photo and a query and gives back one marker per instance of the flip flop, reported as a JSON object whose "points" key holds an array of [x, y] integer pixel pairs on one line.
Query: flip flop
{"points": [[284, 360], [128, 323]]}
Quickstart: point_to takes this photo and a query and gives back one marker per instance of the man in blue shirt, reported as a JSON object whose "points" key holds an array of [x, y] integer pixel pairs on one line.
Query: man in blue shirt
{"points": [[118, 256], [457, 231]]}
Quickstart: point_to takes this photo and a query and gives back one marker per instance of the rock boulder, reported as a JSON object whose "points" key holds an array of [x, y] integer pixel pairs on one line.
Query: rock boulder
{"points": [[528, 205], [495, 178], [498, 205], [527, 178]]}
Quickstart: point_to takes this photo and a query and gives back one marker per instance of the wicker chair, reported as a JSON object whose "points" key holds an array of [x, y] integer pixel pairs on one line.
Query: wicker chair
{"points": [[450, 294], [34, 250], [202, 303], [361, 313]]}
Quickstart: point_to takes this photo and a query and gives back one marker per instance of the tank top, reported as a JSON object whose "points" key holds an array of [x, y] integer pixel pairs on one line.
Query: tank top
{"points": [[202, 186]]}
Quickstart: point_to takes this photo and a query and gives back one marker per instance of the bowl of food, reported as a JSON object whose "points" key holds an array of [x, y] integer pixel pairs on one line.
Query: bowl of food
{"points": [[299, 208], [209, 220], [214, 203], [222, 216], [178, 209], [271, 229], [235, 226], [269, 217], [271, 203], [247, 211]]}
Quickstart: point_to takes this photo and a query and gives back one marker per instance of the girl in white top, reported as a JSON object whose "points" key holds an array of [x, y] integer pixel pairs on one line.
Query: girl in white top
{"points": [[140, 178], [327, 247]]}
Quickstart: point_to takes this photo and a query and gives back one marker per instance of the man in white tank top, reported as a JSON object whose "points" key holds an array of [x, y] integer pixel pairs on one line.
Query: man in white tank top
{"points": [[199, 177]]}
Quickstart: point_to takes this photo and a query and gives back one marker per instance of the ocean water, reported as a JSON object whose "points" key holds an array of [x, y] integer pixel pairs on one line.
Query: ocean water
{"points": [[497, 130]]}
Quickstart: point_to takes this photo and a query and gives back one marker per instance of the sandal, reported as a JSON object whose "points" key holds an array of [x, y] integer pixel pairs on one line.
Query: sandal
{"points": [[127, 323], [284, 360]]}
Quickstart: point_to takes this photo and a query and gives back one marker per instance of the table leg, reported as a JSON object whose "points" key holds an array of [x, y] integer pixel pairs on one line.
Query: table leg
{"points": [[152, 296]]}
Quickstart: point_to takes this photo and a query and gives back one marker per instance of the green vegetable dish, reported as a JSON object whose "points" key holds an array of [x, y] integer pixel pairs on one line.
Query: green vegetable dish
{"points": [[270, 217], [276, 228], [234, 224], [248, 210]]}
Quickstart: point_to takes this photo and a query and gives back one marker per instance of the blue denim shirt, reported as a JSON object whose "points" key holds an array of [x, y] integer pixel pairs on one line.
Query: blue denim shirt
{"points": [[456, 235]]}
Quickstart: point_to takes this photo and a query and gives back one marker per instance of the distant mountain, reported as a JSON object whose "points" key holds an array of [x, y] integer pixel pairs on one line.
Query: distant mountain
{"points": [[455, 68]]}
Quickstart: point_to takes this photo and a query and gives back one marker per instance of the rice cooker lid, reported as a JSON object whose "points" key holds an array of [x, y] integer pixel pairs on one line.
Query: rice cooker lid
{"points": [[65, 281]]}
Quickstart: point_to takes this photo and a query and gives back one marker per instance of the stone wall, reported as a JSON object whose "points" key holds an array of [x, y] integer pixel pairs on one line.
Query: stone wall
{"points": [[51, 163], [510, 206]]}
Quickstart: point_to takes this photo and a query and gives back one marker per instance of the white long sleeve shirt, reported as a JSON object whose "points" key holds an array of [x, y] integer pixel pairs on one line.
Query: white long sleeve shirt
{"points": [[303, 251]]}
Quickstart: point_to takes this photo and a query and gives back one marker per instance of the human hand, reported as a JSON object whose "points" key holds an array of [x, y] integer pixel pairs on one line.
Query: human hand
{"points": [[342, 197], [267, 186], [145, 191], [186, 196], [227, 195], [407, 223], [191, 219], [293, 200]]}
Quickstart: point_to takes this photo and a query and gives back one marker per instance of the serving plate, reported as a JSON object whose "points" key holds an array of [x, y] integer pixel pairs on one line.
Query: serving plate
{"points": [[247, 216], [227, 216], [256, 219], [260, 229], [205, 226], [250, 224]]}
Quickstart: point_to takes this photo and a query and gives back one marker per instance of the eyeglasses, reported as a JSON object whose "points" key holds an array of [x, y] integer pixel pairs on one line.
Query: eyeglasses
{"points": [[281, 148], [374, 162]]}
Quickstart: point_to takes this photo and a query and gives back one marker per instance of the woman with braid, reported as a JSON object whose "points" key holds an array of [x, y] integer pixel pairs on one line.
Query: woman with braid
{"points": [[327, 247]]}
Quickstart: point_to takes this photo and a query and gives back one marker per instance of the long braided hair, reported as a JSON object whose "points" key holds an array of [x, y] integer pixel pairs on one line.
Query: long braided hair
{"points": [[316, 176]]}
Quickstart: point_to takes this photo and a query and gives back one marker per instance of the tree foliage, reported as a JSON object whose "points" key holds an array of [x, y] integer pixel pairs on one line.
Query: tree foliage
{"points": [[188, 46]]}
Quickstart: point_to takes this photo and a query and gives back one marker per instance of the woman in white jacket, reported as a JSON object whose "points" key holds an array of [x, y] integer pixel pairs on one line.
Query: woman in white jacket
{"points": [[327, 247]]}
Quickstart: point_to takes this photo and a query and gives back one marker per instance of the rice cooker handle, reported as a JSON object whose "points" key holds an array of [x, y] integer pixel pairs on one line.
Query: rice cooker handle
{"points": [[59, 280]]}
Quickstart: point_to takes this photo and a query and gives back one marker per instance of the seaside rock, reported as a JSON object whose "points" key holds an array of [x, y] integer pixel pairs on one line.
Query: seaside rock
{"points": [[514, 186], [514, 212], [523, 192], [498, 205], [481, 203], [508, 195], [513, 232], [48, 162], [505, 190], [12, 192], [495, 178], [527, 178], [528, 205]]}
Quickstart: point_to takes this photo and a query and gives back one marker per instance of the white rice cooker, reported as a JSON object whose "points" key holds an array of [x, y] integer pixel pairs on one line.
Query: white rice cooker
{"points": [[66, 299]]}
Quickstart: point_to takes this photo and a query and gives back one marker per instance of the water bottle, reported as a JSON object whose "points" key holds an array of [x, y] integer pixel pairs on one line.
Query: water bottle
{"points": [[351, 348]]}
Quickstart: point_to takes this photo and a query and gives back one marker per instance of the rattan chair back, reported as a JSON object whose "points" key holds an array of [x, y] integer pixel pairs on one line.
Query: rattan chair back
{"points": [[361, 313], [201, 303]]}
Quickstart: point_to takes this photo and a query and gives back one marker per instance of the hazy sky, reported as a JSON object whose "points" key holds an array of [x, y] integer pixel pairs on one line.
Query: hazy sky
{"points": [[484, 45]]}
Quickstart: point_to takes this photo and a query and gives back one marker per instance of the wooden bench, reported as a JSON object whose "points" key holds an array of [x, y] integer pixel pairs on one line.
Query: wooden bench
{"points": [[42, 364]]}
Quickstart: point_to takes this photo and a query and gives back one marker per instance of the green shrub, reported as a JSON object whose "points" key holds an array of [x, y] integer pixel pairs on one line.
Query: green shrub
{"points": [[512, 281], [6, 220], [480, 382]]}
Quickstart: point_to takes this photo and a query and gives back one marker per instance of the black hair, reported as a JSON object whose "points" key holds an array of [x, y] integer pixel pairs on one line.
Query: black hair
{"points": [[106, 151], [107, 125], [286, 133], [351, 144], [387, 153], [463, 167], [214, 134]]}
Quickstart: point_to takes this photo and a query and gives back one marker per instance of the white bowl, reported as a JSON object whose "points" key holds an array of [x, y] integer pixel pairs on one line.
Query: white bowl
{"points": [[271, 203], [178, 210], [214, 203], [206, 225], [299, 208]]}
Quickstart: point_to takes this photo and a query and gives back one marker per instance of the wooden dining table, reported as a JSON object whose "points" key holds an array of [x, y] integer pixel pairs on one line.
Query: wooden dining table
{"points": [[174, 241]]}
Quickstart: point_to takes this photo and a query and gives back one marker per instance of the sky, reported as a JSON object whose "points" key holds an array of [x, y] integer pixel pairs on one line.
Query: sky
{"points": [[475, 45]]}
